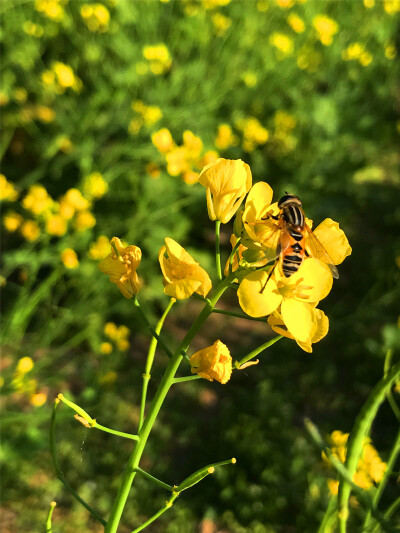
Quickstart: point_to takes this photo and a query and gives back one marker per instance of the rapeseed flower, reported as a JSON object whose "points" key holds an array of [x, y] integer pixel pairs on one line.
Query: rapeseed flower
{"points": [[96, 17], [227, 182], [282, 42], [254, 134], [106, 348], [12, 221], [182, 274], [159, 58], [30, 230], [7, 190], [56, 225], [37, 201], [100, 248], [53, 9], [24, 365], [121, 266], [163, 140], [84, 220], [296, 23], [221, 23], [326, 28], [391, 6], [213, 362], [69, 258], [95, 186], [45, 114], [225, 137]]}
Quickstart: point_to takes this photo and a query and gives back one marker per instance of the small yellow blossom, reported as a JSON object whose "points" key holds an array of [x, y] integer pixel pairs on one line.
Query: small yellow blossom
{"points": [[365, 59], [326, 28], [37, 200], [65, 75], [190, 177], [30, 28], [250, 78], [56, 225], [225, 138], [212, 4], [12, 221], [69, 258], [227, 182], [177, 161], [111, 330], [30, 230], [209, 157], [284, 121], [182, 274], [45, 114], [369, 3], [282, 42], [163, 140], [76, 200], [193, 144], [285, 4], [61, 77], [95, 186], [159, 58], [296, 23], [100, 248], [390, 51], [38, 399], [221, 23], [4, 99], [7, 190], [214, 362], [121, 266], [84, 220], [106, 348], [96, 17], [51, 8], [254, 134], [20, 95], [123, 345], [25, 365], [391, 6]]}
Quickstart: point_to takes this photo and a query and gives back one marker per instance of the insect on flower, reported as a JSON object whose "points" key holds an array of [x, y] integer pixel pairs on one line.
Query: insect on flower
{"points": [[290, 238]]}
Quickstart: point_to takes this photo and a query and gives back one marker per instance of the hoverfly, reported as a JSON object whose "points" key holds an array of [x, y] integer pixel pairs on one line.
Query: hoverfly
{"points": [[291, 238]]}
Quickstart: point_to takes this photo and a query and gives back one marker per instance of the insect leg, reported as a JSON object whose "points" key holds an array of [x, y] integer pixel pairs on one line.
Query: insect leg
{"points": [[269, 275]]}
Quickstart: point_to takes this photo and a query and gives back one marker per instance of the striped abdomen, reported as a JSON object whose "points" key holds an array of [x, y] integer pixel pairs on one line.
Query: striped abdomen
{"points": [[292, 248]]}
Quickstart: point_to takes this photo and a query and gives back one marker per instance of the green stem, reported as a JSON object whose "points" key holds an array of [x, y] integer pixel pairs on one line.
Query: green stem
{"points": [[49, 526], [328, 516], [255, 352], [152, 330], [381, 487], [168, 505], [154, 479], [155, 406], [115, 432], [392, 508], [389, 394], [240, 315], [150, 359], [217, 250], [60, 475], [186, 378]]}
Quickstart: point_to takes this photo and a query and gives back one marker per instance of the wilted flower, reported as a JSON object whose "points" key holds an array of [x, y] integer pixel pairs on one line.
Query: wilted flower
{"points": [[121, 266], [227, 182], [182, 274], [214, 362]]}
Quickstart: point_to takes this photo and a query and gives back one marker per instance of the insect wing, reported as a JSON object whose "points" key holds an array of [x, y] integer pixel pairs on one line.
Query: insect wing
{"points": [[315, 249], [267, 233]]}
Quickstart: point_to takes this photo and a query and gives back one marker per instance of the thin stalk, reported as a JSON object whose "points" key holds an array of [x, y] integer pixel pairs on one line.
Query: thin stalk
{"points": [[328, 516], [49, 526], [255, 352], [217, 250], [393, 507], [149, 361], [240, 315], [155, 406], [381, 487], [168, 505], [186, 378], [153, 332], [60, 475], [115, 432], [389, 394], [154, 479]]}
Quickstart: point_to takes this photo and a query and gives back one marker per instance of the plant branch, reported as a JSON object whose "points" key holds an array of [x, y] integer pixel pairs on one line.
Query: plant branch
{"points": [[152, 330], [217, 250], [255, 352]]}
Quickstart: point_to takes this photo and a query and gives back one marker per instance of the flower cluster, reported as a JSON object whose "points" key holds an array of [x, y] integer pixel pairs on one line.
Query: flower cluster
{"points": [[144, 116], [60, 77], [326, 28], [96, 17], [357, 52], [158, 57], [254, 133], [25, 386], [118, 335], [370, 468], [53, 9]]}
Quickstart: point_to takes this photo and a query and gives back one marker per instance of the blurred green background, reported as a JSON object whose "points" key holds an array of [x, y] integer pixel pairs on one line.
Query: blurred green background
{"points": [[109, 111]]}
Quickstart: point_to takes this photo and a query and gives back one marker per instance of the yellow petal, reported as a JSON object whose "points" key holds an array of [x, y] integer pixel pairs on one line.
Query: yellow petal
{"points": [[322, 322], [334, 240], [311, 283], [181, 289], [299, 319], [277, 324], [257, 202], [177, 252], [253, 300]]}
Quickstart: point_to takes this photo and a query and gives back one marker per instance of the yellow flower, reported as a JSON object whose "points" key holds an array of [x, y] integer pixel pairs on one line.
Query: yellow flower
{"points": [[121, 266], [159, 58], [193, 144], [106, 348], [38, 399], [12, 221], [100, 248], [227, 182], [177, 161], [209, 157], [30, 230], [32, 29], [95, 185], [45, 114], [7, 190], [182, 274], [390, 51], [37, 200], [96, 17], [163, 140], [51, 8], [284, 122], [65, 75], [334, 240], [326, 28], [123, 345], [282, 42], [56, 225], [391, 6], [190, 177], [214, 362], [365, 59], [221, 23], [84, 220], [369, 3], [25, 365], [296, 23], [285, 4], [353, 51], [225, 137], [69, 258], [254, 133], [153, 170], [111, 330]]}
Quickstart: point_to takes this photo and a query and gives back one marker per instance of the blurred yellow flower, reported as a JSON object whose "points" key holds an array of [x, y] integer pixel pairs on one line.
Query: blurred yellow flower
{"points": [[282, 42], [221, 23], [7, 190], [390, 51], [69, 258], [296, 23], [225, 137], [250, 78], [4, 99], [193, 144], [65, 75], [45, 114], [365, 59], [56, 225], [20, 95], [213, 362], [177, 161], [84, 220], [369, 3], [121, 266], [123, 345], [24, 365], [106, 348], [212, 4], [51, 8], [285, 4], [326, 28], [159, 57], [30, 28], [38, 399], [12, 221], [96, 17], [95, 186], [182, 274], [37, 200], [60, 77], [209, 157], [163, 140], [150, 114], [30, 230], [111, 330], [227, 182], [254, 133], [391, 6], [100, 248], [64, 143], [284, 121]]}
